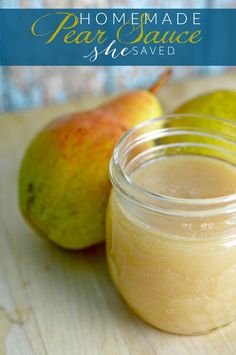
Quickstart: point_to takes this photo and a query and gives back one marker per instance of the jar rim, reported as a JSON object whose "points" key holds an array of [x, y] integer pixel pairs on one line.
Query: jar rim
{"points": [[123, 183]]}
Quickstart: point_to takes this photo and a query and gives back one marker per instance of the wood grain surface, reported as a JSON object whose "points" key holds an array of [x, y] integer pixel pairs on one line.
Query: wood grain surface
{"points": [[63, 303]]}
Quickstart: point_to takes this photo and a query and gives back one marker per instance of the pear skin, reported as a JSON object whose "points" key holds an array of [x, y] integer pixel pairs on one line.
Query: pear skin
{"points": [[63, 181]]}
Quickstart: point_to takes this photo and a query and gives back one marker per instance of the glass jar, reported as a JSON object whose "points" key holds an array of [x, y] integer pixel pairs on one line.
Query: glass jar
{"points": [[172, 259]]}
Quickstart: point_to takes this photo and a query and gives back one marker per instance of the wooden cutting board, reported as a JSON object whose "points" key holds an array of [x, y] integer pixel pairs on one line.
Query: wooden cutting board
{"points": [[63, 303]]}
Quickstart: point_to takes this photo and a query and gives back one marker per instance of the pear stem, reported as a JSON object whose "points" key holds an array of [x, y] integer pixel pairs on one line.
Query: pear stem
{"points": [[163, 78]]}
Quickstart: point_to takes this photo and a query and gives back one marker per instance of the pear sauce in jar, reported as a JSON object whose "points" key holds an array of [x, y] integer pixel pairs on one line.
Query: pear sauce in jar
{"points": [[171, 226]]}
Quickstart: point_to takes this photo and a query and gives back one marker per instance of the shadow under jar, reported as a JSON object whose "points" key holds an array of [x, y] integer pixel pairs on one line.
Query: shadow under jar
{"points": [[171, 222]]}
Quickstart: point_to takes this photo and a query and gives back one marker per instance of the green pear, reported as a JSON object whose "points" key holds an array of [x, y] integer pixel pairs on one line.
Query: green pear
{"points": [[63, 181], [221, 103], [216, 104]]}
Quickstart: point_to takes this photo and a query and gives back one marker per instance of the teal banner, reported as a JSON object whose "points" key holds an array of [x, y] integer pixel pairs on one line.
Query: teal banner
{"points": [[113, 37]]}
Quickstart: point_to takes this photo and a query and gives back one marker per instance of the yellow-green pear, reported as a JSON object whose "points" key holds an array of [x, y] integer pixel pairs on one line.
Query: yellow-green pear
{"points": [[220, 103], [217, 104], [63, 180]]}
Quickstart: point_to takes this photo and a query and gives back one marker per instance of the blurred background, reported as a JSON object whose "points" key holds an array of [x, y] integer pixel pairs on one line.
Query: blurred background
{"points": [[27, 87]]}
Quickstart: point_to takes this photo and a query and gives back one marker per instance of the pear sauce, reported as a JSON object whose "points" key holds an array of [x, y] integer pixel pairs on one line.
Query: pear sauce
{"points": [[178, 274]]}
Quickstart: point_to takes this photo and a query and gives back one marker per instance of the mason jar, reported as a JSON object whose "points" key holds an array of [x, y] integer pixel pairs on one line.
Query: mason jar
{"points": [[172, 259]]}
